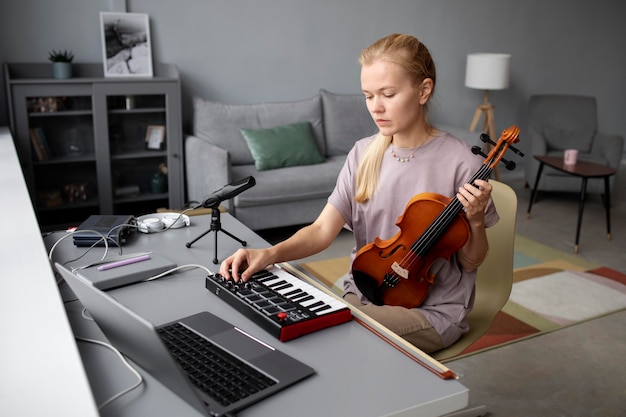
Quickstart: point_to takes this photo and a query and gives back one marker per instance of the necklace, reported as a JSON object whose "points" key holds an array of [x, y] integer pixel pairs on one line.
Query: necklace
{"points": [[407, 158], [402, 159]]}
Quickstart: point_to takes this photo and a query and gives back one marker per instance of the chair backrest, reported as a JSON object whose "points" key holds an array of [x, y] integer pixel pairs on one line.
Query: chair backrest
{"points": [[495, 276], [564, 121]]}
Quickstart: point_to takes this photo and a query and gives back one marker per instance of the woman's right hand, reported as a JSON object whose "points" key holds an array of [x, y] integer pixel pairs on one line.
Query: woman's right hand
{"points": [[243, 263]]}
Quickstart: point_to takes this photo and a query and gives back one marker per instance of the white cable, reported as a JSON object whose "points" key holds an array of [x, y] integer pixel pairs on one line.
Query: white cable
{"points": [[208, 271], [125, 362], [103, 238]]}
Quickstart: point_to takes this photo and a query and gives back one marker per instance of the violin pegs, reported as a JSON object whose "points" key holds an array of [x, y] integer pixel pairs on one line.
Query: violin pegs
{"points": [[485, 138], [517, 151], [510, 165], [476, 150]]}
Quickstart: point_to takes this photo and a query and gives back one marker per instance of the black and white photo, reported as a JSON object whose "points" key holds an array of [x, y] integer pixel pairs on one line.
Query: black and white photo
{"points": [[126, 44], [154, 137]]}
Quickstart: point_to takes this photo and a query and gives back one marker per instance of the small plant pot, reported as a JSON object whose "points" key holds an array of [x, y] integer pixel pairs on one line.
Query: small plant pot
{"points": [[62, 70]]}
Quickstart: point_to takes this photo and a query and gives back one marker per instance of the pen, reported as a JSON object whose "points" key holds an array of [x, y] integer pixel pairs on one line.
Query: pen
{"points": [[123, 262]]}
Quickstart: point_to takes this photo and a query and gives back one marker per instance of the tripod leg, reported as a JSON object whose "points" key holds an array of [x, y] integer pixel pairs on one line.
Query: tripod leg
{"points": [[243, 242], [188, 244]]}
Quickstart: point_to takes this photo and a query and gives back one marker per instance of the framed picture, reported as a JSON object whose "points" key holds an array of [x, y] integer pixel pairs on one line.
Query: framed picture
{"points": [[155, 135], [126, 46]]}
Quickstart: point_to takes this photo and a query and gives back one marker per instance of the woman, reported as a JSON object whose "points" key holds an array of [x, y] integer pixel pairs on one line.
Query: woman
{"points": [[381, 174]]}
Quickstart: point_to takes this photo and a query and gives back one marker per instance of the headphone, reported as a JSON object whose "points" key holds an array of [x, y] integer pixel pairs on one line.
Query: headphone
{"points": [[153, 223]]}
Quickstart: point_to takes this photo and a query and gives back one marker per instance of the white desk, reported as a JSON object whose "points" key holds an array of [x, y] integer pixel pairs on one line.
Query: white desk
{"points": [[41, 372], [357, 372]]}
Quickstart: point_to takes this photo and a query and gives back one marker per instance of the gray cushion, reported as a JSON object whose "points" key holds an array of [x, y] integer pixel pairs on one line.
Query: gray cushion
{"points": [[283, 146], [346, 120], [221, 124]]}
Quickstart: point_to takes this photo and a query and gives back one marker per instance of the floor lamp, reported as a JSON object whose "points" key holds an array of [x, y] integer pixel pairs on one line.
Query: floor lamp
{"points": [[486, 72]]}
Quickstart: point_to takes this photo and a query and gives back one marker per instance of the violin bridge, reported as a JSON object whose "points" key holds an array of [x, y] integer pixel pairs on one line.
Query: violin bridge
{"points": [[404, 273]]}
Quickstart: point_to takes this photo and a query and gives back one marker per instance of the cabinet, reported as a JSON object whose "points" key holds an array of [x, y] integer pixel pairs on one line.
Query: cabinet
{"points": [[96, 145]]}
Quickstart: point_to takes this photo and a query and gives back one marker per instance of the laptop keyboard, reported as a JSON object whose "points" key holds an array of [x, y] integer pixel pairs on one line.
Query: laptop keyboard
{"points": [[214, 371]]}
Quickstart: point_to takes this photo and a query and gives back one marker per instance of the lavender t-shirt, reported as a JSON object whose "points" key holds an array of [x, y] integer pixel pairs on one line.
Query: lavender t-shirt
{"points": [[442, 165]]}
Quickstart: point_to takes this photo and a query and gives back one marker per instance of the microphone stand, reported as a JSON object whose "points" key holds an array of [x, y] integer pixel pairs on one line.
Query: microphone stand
{"points": [[213, 201], [216, 226]]}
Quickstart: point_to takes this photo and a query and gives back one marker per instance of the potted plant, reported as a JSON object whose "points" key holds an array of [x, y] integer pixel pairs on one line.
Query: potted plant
{"points": [[61, 63]]}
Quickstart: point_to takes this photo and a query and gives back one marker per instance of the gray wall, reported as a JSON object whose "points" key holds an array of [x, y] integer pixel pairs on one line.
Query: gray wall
{"points": [[243, 51]]}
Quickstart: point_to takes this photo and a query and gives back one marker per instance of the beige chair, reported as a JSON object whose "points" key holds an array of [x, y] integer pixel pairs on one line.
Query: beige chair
{"points": [[495, 275]]}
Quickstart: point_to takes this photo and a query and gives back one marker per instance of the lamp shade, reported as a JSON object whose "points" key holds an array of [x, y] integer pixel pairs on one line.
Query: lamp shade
{"points": [[487, 71]]}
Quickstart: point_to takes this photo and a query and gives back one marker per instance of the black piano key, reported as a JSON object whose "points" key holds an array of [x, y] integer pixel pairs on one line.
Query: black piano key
{"points": [[290, 294], [314, 305], [273, 285], [283, 287], [322, 308]]}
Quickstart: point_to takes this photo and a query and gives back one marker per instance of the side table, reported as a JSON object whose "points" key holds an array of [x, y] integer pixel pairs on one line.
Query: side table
{"points": [[584, 170]]}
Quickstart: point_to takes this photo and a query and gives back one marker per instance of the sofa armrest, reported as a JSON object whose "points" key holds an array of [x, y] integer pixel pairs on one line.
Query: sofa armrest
{"points": [[207, 167], [609, 146]]}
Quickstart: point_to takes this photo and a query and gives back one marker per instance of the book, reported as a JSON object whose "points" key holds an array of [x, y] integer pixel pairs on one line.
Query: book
{"points": [[38, 146], [44, 141]]}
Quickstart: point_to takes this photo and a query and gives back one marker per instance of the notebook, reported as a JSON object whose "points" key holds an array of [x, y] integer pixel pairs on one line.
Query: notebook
{"points": [[126, 274], [139, 339]]}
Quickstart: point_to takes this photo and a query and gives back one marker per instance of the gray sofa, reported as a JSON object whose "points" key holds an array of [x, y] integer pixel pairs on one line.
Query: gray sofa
{"points": [[217, 153]]}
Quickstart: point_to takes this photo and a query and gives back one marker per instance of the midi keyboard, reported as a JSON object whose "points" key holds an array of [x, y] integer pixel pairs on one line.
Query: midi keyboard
{"points": [[281, 303]]}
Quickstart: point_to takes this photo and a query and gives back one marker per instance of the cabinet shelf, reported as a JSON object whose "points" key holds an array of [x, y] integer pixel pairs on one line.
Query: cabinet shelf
{"points": [[141, 197], [81, 204], [138, 155], [90, 157], [138, 111], [60, 113], [86, 136]]}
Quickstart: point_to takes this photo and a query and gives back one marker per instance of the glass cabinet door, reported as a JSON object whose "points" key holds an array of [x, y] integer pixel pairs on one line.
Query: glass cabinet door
{"points": [[136, 132], [55, 133]]}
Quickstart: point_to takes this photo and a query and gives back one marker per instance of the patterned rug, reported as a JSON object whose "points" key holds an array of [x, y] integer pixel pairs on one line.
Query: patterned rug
{"points": [[551, 289]]}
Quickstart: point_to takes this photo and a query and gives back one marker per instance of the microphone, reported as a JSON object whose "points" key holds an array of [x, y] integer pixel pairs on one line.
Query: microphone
{"points": [[227, 192]]}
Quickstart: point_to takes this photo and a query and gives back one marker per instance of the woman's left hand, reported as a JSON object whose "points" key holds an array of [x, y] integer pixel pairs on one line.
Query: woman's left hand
{"points": [[474, 200]]}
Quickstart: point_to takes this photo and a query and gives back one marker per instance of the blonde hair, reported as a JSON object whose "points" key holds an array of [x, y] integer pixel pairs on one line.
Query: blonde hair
{"points": [[412, 55]]}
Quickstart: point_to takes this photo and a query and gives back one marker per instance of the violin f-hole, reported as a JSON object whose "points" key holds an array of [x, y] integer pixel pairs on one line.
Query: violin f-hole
{"points": [[393, 251]]}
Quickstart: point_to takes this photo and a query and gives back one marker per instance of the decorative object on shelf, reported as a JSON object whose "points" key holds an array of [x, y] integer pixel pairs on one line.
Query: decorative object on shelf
{"points": [[130, 102], [61, 63], [78, 191], [126, 46], [127, 191], [49, 198], [46, 104], [155, 136], [74, 145], [158, 184]]}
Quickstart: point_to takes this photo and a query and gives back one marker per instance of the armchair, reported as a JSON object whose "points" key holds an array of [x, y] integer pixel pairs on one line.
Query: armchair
{"points": [[559, 122]]}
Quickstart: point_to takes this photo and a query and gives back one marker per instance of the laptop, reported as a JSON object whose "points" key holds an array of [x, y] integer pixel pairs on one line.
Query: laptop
{"points": [[140, 340]]}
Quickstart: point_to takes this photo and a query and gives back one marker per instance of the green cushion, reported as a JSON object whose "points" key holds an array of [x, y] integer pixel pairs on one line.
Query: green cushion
{"points": [[283, 146]]}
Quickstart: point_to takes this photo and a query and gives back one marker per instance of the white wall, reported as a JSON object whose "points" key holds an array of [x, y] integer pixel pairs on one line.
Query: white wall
{"points": [[242, 51]]}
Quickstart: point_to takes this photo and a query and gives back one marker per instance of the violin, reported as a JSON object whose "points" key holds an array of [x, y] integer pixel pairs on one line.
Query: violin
{"points": [[396, 271]]}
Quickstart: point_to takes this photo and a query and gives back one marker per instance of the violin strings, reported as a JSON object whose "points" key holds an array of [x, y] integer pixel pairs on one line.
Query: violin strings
{"points": [[439, 225]]}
